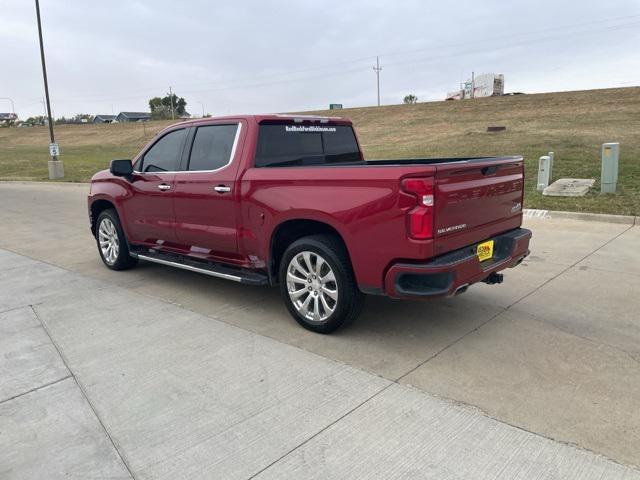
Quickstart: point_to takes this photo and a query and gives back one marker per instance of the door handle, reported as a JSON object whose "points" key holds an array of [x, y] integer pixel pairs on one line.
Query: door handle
{"points": [[164, 187], [222, 189]]}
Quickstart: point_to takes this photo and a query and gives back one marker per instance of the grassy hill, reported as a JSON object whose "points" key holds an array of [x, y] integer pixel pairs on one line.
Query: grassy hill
{"points": [[572, 124]]}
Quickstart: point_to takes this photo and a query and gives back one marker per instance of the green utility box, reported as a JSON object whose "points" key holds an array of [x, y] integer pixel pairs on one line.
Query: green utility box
{"points": [[609, 176]]}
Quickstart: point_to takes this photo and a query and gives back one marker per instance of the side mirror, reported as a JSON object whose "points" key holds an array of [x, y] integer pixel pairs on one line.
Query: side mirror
{"points": [[121, 168]]}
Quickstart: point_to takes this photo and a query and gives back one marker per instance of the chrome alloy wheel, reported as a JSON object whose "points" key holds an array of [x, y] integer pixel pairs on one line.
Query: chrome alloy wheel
{"points": [[108, 239], [312, 286]]}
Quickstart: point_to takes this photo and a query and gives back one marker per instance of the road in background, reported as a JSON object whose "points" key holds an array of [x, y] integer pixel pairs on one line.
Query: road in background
{"points": [[555, 350]]}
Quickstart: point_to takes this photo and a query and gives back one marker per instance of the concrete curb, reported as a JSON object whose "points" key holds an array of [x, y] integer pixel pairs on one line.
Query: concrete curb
{"points": [[589, 217], [45, 182]]}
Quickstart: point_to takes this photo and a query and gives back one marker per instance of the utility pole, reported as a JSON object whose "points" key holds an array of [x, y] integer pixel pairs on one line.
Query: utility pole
{"points": [[473, 84], [171, 99], [56, 169], [377, 68]]}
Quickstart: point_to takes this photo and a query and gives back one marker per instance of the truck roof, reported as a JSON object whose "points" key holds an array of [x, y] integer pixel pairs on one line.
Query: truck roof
{"points": [[273, 117]]}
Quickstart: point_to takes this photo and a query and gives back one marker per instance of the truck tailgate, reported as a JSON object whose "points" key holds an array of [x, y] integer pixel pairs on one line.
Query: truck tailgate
{"points": [[478, 198]]}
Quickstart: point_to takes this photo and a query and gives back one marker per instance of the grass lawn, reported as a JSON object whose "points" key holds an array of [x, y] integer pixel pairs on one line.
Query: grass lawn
{"points": [[572, 124], [85, 149]]}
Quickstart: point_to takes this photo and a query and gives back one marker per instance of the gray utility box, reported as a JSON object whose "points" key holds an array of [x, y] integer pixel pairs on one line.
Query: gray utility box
{"points": [[544, 172], [610, 158]]}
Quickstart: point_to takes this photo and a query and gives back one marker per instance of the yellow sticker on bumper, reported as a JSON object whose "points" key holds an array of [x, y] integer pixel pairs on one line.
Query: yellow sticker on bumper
{"points": [[485, 250]]}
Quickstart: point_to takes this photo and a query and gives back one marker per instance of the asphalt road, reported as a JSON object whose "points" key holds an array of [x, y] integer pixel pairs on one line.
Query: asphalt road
{"points": [[554, 350]]}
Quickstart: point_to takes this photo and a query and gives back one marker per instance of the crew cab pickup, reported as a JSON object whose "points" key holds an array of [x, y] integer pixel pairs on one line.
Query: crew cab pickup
{"points": [[290, 200]]}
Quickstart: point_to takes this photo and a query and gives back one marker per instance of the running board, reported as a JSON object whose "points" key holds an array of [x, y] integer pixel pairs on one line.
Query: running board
{"points": [[213, 270]]}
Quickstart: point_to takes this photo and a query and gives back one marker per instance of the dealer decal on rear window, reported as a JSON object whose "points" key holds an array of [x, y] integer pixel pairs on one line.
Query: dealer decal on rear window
{"points": [[312, 128]]}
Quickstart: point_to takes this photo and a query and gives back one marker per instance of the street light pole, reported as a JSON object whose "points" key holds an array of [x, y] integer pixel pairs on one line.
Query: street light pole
{"points": [[56, 169], [13, 107]]}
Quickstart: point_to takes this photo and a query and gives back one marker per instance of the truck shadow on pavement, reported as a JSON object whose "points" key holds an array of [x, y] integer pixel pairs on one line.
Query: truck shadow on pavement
{"points": [[390, 338]]}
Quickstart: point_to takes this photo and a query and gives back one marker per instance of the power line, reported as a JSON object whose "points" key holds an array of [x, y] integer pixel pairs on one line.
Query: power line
{"points": [[508, 36], [356, 69], [226, 86], [230, 87], [510, 45]]}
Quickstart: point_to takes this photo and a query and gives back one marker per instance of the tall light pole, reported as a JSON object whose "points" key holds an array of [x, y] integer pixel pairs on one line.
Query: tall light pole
{"points": [[377, 68], [56, 169]]}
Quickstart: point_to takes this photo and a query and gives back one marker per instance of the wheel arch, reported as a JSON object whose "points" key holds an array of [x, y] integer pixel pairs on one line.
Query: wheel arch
{"points": [[287, 232], [97, 207]]}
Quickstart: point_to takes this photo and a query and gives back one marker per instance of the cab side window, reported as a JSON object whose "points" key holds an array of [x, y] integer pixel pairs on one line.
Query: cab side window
{"points": [[212, 147], [165, 154]]}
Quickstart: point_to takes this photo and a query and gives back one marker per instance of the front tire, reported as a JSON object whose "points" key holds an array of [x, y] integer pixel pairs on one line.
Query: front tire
{"points": [[112, 244], [317, 284]]}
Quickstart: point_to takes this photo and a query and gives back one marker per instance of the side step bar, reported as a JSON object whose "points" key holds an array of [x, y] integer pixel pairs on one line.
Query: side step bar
{"points": [[207, 268]]}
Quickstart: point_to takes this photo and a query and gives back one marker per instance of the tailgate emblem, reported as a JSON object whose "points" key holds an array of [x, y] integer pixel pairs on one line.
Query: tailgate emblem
{"points": [[516, 208], [453, 228]]}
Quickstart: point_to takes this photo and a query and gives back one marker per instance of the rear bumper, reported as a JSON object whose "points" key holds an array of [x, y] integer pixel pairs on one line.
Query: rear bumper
{"points": [[453, 271]]}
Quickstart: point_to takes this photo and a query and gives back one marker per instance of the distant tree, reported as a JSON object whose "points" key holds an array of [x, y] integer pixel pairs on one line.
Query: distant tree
{"points": [[410, 99], [161, 107], [37, 120]]}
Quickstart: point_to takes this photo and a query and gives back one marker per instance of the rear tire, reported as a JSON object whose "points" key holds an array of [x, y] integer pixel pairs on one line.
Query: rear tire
{"points": [[112, 244], [317, 284]]}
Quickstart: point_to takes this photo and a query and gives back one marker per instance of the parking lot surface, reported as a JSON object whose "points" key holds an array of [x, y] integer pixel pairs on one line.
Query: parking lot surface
{"points": [[170, 374]]}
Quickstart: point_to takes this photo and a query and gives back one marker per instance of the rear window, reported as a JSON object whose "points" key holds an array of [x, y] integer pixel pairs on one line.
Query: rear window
{"points": [[287, 144]]}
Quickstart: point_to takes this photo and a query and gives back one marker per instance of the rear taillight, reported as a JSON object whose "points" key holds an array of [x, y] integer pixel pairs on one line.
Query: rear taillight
{"points": [[420, 218]]}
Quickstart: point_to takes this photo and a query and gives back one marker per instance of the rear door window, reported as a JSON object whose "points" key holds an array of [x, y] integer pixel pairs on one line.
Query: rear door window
{"points": [[287, 144], [165, 154], [212, 147]]}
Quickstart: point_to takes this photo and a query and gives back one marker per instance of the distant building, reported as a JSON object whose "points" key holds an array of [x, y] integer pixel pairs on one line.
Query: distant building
{"points": [[104, 118], [133, 117], [486, 85], [7, 118]]}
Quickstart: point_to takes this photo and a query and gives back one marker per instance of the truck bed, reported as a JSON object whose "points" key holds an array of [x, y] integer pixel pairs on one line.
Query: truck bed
{"points": [[435, 161], [312, 162]]}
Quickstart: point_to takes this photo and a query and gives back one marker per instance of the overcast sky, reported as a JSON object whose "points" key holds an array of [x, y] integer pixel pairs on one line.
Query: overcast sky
{"points": [[273, 55]]}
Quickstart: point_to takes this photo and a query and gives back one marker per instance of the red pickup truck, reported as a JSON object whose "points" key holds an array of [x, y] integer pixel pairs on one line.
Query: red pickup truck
{"points": [[290, 200]]}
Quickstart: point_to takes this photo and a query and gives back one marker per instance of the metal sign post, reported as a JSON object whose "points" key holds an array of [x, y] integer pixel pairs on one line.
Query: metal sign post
{"points": [[54, 150], [56, 169]]}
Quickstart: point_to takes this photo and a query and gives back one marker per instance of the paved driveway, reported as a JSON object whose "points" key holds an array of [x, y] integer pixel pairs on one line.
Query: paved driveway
{"points": [[554, 350]]}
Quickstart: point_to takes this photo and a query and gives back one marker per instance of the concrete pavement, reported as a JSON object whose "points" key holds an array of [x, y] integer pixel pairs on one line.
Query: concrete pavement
{"points": [[553, 350], [127, 386]]}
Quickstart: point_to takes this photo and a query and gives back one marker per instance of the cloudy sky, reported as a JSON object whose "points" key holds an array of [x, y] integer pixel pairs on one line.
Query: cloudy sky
{"points": [[234, 56]]}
